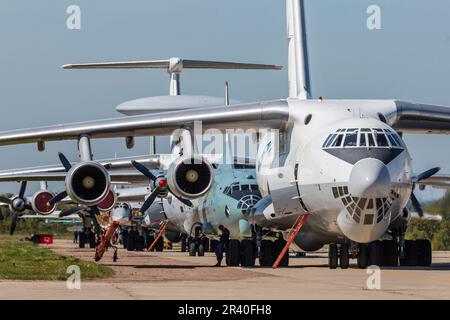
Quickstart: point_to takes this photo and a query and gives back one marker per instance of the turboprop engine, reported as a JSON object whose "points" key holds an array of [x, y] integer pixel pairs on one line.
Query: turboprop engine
{"points": [[88, 183], [190, 178], [40, 200]]}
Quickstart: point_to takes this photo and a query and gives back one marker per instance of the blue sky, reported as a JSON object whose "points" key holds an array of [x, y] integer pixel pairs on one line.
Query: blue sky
{"points": [[407, 59]]}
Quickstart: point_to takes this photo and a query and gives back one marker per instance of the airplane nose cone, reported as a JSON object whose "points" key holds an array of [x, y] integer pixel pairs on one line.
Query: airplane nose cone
{"points": [[370, 179]]}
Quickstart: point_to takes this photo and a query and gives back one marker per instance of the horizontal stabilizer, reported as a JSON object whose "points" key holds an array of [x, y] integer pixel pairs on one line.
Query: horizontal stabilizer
{"points": [[173, 65]]}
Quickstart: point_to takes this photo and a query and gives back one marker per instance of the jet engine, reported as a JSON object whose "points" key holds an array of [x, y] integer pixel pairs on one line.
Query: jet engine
{"points": [[88, 183], [40, 200], [190, 178]]}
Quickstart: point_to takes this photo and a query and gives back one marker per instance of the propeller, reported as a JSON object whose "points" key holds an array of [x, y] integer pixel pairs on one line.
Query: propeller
{"points": [[423, 176], [92, 210], [17, 204], [160, 186]]}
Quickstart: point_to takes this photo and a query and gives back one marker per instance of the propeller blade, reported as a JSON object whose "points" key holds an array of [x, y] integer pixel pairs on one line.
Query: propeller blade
{"points": [[65, 162], [144, 170], [57, 198], [108, 166], [14, 218], [148, 202], [28, 207], [23, 187], [5, 200], [416, 204], [427, 174], [184, 201]]}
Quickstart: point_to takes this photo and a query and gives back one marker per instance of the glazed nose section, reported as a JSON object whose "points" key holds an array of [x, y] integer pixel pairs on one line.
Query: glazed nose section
{"points": [[370, 179]]}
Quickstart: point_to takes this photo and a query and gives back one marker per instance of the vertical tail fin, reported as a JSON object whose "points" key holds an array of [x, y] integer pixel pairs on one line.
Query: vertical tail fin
{"points": [[299, 86]]}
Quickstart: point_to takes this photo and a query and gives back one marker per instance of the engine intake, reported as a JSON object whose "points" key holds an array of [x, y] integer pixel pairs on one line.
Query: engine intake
{"points": [[109, 202], [190, 178], [40, 200], [88, 183]]}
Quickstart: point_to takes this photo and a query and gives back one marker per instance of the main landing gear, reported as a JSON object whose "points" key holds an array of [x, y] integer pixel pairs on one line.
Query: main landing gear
{"points": [[338, 255], [390, 253], [244, 253]]}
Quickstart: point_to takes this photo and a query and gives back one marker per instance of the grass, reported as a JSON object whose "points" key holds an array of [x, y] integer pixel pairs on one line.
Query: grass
{"points": [[22, 260]]}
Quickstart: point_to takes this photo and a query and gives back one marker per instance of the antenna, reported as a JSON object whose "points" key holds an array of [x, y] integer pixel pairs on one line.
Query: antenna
{"points": [[227, 94]]}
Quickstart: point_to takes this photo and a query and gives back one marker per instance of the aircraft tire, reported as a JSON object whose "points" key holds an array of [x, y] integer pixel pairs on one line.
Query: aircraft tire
{"points": [[390, 253], [333, 256], [192, 249], [159, 246], [266, 259], [150, 240], [131, 243], [233, 254], [411, 258], [183, 244], [278, 247], [247, 253], [206, 244], [344, 256], [424, 252], [375, 254], [363, 256], [201, 250], [140, 243]]}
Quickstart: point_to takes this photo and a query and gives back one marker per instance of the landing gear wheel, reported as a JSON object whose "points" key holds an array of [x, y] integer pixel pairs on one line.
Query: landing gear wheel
{"points": [[201, 250], [375, 253], [140, 243], [266, 259], [159, 246], [192, 249], [248, 253], [390, 253], [333, 256], [278, 247], [206, 244], [411, 258], [344, 256], [424, 252], [131, 243], [363, 256], [233, 256], [183, 244]]}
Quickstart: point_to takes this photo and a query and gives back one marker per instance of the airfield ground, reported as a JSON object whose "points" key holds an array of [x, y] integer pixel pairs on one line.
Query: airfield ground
{"points": [[175, 275]]}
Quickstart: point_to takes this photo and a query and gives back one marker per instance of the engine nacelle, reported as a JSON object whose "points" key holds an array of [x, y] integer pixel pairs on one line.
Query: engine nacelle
{"points": [[190, 178], [40, 200], [109, 202], [88, 183]]}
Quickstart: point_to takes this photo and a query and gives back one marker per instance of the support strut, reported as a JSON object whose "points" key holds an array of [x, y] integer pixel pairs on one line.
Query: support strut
{"points": [[298, 224]]}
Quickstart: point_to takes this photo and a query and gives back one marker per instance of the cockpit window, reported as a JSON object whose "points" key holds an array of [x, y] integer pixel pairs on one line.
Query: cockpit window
{"points": [[363, 137], [351, 139]]}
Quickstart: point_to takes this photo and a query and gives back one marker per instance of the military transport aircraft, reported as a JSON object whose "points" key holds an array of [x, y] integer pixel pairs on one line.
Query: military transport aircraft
{"points": [[342, 162]]}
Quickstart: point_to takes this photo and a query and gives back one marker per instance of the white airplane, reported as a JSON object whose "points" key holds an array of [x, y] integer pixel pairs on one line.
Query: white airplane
{"points": [[342, 162]]}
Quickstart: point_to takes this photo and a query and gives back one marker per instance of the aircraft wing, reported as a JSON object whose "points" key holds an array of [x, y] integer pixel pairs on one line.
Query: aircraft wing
{"points": [[440, 181], [272, 114], [117, 177], [412, 117], [53, 216]]}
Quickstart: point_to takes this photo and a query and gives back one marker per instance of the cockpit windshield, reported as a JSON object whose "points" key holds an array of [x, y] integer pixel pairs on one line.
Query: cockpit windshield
{"points": [[363, 137]]}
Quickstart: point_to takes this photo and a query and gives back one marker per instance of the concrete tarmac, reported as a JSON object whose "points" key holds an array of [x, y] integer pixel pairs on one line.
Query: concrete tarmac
{"points": [[175, 275]]}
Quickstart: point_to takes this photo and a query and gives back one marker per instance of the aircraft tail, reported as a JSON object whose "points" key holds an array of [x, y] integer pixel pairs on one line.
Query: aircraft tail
{"points": [[298, 69]]}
